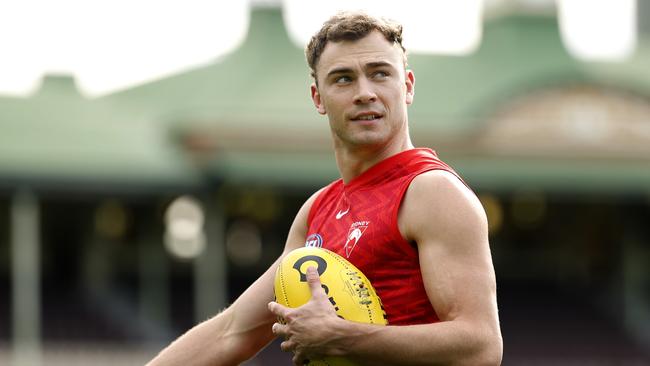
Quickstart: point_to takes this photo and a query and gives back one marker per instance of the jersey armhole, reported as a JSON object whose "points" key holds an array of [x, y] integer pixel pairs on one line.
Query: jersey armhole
{"points": [[397, 234], [319, 198]]}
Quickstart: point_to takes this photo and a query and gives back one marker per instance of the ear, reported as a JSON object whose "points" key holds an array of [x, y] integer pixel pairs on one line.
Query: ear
{"points": [[410, 86], [315, 97]]}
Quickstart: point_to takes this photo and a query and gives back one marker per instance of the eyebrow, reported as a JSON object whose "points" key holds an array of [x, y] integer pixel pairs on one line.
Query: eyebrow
{"points": [[369, 65], [374, 65], [339, 70]]}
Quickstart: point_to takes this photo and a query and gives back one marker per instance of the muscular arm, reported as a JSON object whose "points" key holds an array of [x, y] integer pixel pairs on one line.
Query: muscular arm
{"points": [[449, 226], [240, 331]]}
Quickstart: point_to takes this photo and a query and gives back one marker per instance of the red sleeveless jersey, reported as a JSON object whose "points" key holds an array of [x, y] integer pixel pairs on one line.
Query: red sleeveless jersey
{"points": [[358, 221]]}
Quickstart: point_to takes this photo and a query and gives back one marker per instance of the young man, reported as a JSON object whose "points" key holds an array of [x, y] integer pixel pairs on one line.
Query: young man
{"points": [[402, 216]]}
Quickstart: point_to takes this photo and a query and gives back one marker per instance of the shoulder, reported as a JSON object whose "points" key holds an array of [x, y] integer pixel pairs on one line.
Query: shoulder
{"points": [[305, 211], [438, 203], [300, 225], [441, 185]]}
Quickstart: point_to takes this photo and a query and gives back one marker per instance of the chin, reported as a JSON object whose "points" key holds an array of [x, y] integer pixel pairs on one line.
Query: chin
{"points": [[363, 143], [356, 139]]}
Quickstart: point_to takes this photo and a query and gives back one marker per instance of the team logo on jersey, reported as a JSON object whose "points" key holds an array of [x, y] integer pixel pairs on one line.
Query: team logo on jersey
{"points": [[354, 234], [314, 240]]}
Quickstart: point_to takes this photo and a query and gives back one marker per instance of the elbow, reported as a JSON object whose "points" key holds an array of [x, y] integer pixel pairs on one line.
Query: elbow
{"points": [[486, 350], [490, 352], [493, 353]]}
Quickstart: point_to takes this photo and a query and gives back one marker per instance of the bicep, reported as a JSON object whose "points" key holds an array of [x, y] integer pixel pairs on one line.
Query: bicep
{"points": [[460, 283], [449, 226]]}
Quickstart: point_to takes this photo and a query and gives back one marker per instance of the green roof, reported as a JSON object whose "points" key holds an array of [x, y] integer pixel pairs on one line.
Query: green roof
{"points": [[248, 116], [57, 136]]}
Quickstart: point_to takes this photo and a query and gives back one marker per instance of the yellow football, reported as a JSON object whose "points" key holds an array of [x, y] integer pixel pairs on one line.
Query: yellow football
{"points": [[349, 291]]}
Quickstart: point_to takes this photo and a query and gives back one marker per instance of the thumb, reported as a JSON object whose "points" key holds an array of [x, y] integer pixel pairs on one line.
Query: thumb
{"points": [[313, 280]]}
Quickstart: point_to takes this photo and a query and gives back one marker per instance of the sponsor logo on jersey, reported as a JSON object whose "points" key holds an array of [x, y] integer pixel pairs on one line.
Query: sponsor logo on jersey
{"points": [[342, 213], [354, 234], [314, 240]]}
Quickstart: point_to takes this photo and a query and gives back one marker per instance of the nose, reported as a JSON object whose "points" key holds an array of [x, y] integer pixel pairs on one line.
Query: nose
{"points": [[364, 92]]}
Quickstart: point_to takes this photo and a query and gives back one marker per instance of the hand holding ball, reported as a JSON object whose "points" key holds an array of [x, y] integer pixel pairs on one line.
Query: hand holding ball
{"points": [[348, 290]]}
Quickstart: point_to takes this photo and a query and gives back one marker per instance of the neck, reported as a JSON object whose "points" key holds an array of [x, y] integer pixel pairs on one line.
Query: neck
{"points": [[354, 161]]}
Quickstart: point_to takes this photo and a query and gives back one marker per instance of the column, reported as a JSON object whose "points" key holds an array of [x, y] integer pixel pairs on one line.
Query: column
{"points": [[25, 279]]}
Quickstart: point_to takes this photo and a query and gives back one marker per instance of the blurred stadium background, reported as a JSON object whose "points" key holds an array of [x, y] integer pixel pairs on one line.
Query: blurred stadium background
{"points": [[128, 216]]}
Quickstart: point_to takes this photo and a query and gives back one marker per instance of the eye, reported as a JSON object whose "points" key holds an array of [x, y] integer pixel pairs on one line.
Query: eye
{"points": [[342, 79], [380, 74]]}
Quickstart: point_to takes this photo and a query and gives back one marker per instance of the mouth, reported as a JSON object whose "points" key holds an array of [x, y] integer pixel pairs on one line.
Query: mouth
{"points": [[366, 116]]}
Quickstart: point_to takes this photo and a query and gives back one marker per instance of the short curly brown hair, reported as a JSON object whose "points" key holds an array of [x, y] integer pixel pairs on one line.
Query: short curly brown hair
{"points": [[350, 26]]}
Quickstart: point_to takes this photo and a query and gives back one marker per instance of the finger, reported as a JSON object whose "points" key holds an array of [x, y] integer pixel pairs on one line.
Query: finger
{"points": [[287, 346], [278, 309], [299, 360], [313, 280], [280, 329]]}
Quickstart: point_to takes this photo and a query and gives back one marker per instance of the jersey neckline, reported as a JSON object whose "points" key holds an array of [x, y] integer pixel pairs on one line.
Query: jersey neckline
{"points": [[369, 175]]}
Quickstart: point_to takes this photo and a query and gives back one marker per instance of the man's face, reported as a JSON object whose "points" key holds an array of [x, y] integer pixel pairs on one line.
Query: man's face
{"points": [[364, 90]]}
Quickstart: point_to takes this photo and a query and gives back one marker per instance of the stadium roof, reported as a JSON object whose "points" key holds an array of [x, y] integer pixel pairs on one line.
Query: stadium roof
{"points": [[248, 117]]}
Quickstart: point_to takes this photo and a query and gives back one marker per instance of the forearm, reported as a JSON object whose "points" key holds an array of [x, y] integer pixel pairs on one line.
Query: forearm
{"points": [[215, 343], [443, 343]]}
